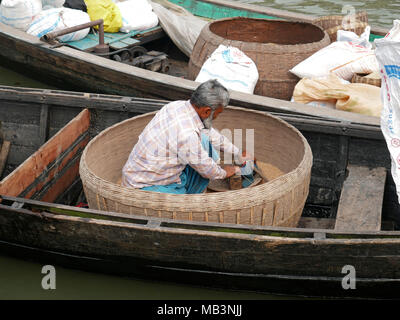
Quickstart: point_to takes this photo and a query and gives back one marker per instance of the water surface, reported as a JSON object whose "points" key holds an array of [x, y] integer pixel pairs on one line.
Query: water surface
{"points": [[380, 13]]}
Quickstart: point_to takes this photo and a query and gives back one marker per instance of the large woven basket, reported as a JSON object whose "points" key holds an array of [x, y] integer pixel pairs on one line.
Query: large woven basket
{"points": [[275, 46], [331, 24], [278, 202]]}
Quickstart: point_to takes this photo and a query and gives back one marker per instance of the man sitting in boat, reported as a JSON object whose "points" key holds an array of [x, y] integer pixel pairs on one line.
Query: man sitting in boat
{"points": [[176, 152]]}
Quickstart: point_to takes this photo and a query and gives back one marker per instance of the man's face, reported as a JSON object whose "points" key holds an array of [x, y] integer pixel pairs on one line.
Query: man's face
{"points": [[213, 115], [218, 111]]}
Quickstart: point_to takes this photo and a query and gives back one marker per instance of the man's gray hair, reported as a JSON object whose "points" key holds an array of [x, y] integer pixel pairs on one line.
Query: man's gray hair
{"points": [[210, 93]]}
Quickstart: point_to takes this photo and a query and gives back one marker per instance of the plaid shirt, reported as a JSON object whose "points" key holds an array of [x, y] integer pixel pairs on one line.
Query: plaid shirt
{"points": [[170, 141]]}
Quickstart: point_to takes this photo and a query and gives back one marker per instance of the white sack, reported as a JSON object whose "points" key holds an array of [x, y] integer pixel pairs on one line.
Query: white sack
{"points": [[57, 19], [136, 15], [232, 68], [341, 58], [181, 26], [388, 55], [362, 40], [19, 13], [394, 33], [49, 4]]}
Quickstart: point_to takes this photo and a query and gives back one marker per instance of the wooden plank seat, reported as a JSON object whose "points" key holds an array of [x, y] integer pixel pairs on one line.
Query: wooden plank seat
{"points": [[360, 205], [118, 40]]}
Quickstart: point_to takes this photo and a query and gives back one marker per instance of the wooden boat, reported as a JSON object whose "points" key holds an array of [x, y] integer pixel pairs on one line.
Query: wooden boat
{"points": [[349, 218], [67, 67]]}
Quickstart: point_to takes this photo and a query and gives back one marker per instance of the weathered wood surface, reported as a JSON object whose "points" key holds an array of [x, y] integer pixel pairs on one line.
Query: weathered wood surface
{"points": [[4, 150], [202, 246], [27, 96], [360, 205], [310, 225], [316, 223], [42, 168], [44, 123], [250, 251], [85, 71], [76, 99]]}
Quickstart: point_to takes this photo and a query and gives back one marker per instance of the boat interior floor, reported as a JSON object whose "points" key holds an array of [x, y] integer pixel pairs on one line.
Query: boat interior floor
{"points": [[124, 47]]}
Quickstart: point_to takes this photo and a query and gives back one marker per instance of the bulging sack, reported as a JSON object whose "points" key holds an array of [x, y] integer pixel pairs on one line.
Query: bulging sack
{"points": [[57, 19], [181, 26], [137, 15], [394, 33], [362, 40], [106, 10], [232, 68], [332, 91], [19, 13], [342, 58], [388, 55]]}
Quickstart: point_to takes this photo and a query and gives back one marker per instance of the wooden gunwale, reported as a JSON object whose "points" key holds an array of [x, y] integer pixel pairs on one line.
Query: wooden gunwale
{"points": [[203, 251], [143, 105], [59, 211]]}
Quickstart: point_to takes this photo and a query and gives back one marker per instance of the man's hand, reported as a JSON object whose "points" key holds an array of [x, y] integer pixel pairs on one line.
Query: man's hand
{"points": [[231, 170]]}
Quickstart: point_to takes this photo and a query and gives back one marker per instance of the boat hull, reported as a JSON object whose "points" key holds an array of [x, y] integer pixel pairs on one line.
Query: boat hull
{"points": [[261, 263], [307, 261]]}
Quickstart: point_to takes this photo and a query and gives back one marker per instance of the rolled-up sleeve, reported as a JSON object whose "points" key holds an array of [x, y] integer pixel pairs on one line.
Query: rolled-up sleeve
{"points": [[191, 153]]}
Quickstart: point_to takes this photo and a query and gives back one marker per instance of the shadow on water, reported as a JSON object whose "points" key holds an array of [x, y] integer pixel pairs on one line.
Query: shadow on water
{"points": [[22, 280], [12, 75]]}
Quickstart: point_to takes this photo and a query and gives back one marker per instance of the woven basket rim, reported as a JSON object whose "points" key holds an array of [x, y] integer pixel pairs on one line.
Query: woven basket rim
{"points": [[357, 78], [357, 24], [358, 16], [271, 47], [246, 197]]}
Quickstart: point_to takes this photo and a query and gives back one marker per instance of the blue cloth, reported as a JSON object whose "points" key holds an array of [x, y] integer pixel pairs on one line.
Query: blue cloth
{"points": [[191, 180], [247, 175]]}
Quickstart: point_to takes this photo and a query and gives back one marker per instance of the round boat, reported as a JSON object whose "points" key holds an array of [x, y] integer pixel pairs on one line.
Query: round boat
{"points": [[278, 202], [275, 46]]}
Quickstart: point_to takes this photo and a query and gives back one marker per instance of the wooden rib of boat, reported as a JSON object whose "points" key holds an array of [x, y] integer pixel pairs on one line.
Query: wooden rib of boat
{"points": [[81, 70], [348, 219]]}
